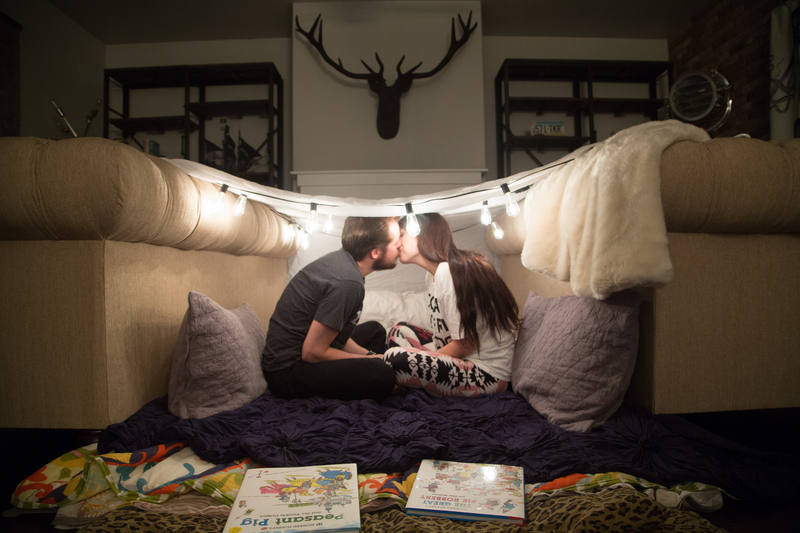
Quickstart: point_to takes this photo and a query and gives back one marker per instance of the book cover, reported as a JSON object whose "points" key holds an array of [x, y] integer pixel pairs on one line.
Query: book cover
{"points": [[468, 491], [307, 498]]}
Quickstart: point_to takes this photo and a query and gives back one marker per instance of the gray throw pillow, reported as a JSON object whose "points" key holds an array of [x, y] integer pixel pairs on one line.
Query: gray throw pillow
{"points": [[216, 365], [575, 356]]}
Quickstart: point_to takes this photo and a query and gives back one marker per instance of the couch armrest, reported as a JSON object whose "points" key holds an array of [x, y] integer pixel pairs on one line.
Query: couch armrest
{"points": [[731, 185], [91, 188]]}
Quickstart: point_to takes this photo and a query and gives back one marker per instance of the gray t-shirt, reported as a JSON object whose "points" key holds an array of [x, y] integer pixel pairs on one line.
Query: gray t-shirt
{"points": [[329, 290]]}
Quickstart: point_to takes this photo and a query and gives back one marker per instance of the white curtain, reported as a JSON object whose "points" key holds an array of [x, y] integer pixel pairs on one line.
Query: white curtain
{"points": [[784, 106]]}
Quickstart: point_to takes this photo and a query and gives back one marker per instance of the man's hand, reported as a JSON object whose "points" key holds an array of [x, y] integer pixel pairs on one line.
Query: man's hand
{"points": [[317, 346]]}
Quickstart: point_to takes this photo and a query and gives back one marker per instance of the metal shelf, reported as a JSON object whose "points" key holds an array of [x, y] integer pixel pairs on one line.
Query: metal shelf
{"points": [[199, 77], [130, 126], [544, 142], [582, 75], [238, 108]]}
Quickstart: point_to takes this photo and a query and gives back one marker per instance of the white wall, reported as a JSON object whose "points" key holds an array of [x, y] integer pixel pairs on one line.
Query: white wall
{"points": [[498, 49], [59, 61], [441, 119], [170, 101]]}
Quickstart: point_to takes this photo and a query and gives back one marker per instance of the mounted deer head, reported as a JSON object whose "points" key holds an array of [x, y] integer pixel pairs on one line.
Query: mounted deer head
{"points": [[389, 95]]}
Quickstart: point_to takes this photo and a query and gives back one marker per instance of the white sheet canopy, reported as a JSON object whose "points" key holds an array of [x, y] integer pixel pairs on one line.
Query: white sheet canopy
{"points": [[458, 205]]}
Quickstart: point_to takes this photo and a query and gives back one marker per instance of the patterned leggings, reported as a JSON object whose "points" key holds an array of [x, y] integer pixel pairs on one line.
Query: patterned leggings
{"points": [[410, 352]]}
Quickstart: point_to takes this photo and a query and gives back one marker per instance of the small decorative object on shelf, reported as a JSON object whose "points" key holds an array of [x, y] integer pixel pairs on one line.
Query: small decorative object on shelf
{"points": [[153, 148], [66, 127], [548, 127], [468, 491]]}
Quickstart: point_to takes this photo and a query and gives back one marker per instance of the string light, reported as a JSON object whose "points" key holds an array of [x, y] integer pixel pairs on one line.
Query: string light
{"points": [[290, 231], [512, 207], [497, 231], [313, 222], [238, 209], [521, 182], [486, 216], [304, 239], [412, 226], [220, 199]]}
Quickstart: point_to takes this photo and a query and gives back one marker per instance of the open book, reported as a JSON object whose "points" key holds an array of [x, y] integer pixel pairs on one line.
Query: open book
{"points": [[468, 491], [306, 498]]}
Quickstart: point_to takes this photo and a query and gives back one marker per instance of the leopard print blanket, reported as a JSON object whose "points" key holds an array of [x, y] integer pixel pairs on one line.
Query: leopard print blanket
{"points": [[614, 510]]}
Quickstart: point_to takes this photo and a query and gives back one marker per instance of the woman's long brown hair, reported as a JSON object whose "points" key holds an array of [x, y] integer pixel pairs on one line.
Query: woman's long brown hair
{"points": [[478, 286]]}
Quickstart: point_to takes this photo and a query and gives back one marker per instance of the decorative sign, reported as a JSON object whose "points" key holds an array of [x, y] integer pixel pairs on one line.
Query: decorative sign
{"points": [[552, 128]]}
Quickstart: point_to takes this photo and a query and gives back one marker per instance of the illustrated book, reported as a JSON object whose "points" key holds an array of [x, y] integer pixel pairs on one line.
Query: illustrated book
{"points": [[468, 491], [307, 498]]}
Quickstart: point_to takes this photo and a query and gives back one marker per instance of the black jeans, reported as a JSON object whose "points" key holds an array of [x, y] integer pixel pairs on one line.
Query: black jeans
{"points": [[342, 379], [371, 335]]}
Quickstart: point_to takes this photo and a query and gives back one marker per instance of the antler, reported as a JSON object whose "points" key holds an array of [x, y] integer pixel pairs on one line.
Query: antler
{"points": [[455, 44], [317, 43]]}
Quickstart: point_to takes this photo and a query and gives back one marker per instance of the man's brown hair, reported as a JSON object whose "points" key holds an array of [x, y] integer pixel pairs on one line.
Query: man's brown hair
{"points": [[361, 235]]}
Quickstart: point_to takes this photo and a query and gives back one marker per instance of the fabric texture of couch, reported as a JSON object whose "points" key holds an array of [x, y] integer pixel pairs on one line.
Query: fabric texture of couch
{"points": [[722, 335], [100, 247]]}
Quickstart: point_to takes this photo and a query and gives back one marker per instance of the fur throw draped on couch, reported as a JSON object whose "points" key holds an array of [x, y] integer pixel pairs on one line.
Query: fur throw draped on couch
{"points": [[597, 221]]}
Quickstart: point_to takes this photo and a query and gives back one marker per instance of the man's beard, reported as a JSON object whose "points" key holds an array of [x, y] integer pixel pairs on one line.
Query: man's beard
{"points": [[384, 263]]}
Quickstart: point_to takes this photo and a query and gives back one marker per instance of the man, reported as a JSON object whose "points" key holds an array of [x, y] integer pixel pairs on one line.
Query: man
{"points": [[312, 347]]}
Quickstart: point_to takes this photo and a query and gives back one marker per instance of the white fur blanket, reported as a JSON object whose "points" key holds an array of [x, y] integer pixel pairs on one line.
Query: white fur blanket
{"points": [[597, 221]]}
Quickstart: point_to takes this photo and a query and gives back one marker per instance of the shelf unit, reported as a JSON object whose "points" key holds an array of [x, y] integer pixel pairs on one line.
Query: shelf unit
{"points": [[196, 113], [580, 106]]}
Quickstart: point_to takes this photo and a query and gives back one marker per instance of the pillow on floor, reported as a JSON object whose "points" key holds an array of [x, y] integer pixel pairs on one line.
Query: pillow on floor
{"points": [[216, 365], [575, 356]]}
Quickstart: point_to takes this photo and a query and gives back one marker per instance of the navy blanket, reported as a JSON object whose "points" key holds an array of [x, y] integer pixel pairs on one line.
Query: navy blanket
{"points": [[501, 428]]}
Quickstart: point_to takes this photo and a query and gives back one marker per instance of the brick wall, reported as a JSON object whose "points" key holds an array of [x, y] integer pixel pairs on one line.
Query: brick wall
{"points": [[731, 36]]}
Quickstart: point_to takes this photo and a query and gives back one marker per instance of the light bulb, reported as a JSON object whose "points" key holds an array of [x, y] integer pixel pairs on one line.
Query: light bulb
{"points": [[486, 216], [497, 231], [238, 209], [512, 207], [220, 199], [328, 227], [313, 222], [304, 239], [412, 226], [290, 231]]}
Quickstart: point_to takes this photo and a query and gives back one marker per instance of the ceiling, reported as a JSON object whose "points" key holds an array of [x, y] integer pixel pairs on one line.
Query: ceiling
{"points": [[147, 21]]}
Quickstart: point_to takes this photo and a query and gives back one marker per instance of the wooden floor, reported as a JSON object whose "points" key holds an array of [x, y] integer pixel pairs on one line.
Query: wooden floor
{"points": [[768, 430]]}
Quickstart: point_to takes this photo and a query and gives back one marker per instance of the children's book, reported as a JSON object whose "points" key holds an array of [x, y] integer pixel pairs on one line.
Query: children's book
{"points": [[468, 491], [306, 498]]}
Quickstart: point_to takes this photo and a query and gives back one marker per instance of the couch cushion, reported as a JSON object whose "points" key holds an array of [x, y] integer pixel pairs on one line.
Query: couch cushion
{"points": [[216, 365], [575, 356]]}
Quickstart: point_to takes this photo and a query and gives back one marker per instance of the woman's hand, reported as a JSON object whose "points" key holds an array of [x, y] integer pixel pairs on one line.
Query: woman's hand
{"points": [[458, 348]]}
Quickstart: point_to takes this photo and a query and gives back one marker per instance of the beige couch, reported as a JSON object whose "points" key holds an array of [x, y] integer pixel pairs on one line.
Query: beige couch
{"points": [[100, 245], [99, 248], [725, 333]]}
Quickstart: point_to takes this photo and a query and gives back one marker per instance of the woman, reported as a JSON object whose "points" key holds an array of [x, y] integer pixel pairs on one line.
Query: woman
{"points": [[473, 318]]}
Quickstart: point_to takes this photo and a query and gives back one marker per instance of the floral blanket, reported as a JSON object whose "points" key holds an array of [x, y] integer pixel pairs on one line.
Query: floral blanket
{"points": [[84, 485]]}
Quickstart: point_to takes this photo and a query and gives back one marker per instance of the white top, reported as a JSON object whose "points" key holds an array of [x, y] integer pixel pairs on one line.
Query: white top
{"points": [[494, 356]]}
